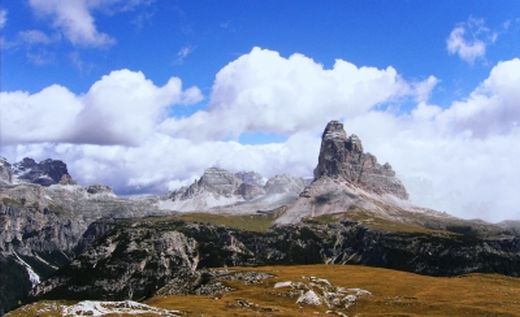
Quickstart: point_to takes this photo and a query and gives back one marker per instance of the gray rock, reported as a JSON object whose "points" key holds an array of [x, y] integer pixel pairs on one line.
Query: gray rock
{"points": [[309, 298], [250, 178], [99, 189], [347, 178], [6, 171], [343, 157]]}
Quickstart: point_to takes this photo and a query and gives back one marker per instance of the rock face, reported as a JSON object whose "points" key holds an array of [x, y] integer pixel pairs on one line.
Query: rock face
{"points": [[343, 157], [6, 172], [45, 173], [139, 257], [219, 190], [41, 226]]}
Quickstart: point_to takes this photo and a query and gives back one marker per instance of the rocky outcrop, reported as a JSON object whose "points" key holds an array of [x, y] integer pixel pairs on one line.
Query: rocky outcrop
{"points": [[45, 173], [347, 177], [343, 157], [6, 172], [100, 189]]}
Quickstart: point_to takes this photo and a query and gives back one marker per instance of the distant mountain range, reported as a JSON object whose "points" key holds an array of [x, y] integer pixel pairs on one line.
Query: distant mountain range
{"points": [[62, 240]]}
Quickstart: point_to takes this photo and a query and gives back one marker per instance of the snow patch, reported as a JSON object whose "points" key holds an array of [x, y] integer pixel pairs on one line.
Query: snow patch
{"points": [[45, 262], [102, 308], [33, 277]]}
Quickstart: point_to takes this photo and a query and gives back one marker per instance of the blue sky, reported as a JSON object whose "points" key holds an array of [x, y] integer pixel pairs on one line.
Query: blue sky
{"points": [[143, 95], [409, 35]]}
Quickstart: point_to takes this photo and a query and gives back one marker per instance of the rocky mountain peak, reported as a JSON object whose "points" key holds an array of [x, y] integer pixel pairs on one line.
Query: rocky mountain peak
{"points": [[244, 191], [334, 131], [343, 157], [45, 173], [219, 181]]}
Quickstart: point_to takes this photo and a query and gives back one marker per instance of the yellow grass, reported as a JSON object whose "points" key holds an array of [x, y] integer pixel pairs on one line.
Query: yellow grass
{"points": [[395, 293]]}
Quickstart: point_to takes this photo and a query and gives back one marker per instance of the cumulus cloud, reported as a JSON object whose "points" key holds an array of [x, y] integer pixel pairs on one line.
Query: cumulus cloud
{"points": [[120, 108], [469, 40], [74, 18], [461, 158], [492, 107], [263, 91]]}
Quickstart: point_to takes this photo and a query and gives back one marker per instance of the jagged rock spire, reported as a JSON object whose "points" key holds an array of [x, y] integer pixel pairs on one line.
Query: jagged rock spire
{"points": [[343, 157]]}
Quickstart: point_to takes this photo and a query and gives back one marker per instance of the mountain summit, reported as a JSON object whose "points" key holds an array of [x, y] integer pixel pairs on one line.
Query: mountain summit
{"points": [[343, 157]]}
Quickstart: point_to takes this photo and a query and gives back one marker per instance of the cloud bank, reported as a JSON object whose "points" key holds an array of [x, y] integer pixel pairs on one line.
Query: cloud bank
{"points": [[460, 158]]}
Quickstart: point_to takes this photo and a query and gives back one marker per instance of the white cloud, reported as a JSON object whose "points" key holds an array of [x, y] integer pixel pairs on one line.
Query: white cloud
{"points": [[492, 107], [461, 158], [121, 108], [74, 18], [39, 117], [262, 91], [124, 107], [3, 18], [469, 40]]}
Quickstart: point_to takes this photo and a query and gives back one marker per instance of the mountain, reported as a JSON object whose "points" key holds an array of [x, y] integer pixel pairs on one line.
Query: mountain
{"points": [[44, 214], [343, 158], [219, 190], [347, 178], [42, 218]]}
